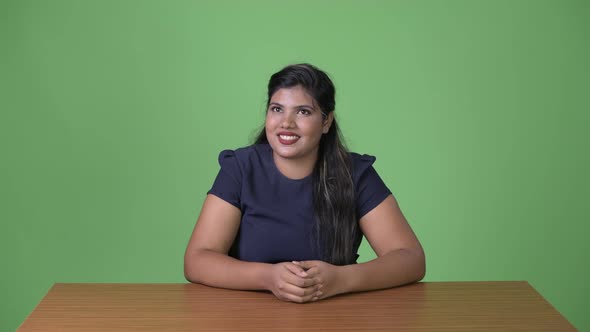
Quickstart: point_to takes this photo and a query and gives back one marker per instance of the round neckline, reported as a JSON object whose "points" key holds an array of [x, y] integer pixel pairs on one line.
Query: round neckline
{"points": [[278, 171]]}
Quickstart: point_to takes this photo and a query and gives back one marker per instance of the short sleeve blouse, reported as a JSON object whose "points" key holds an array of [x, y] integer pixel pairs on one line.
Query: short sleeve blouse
{"points": [[277, 212]]}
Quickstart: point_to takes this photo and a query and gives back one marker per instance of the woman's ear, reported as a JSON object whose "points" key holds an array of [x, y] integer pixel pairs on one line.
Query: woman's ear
{"points": [[328, 122]]}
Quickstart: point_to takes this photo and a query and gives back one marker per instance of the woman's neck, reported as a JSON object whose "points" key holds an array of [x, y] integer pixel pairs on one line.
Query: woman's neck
{"points": [[295, 169]]}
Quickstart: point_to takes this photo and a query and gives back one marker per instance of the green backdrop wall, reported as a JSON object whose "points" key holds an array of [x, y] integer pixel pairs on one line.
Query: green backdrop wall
{"points": [[113, 113]]}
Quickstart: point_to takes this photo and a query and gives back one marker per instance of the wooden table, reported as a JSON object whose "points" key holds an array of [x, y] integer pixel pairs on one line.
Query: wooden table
{"points": [[428, 306]]}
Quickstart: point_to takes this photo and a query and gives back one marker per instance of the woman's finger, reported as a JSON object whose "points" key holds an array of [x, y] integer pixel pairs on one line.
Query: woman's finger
{"points": [[298, 281], [309, 295], [295, 269], [298, 291], [306, 265], [313, 272]]}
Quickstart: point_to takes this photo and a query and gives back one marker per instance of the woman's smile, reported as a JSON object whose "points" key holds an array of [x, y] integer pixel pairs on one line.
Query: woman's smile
{"points": [[288, 138]]}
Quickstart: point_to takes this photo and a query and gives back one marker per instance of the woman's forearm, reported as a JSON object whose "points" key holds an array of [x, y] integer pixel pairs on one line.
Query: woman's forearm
{"points": [[218, 270], [395, 268]]}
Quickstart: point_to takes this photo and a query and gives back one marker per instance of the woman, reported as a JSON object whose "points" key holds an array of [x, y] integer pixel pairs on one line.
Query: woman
{"points": [[288, 213]]}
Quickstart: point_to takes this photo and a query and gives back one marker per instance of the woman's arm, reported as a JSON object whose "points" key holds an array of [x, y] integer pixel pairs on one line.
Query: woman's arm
{"points": [[206, 258], [400, 258]]}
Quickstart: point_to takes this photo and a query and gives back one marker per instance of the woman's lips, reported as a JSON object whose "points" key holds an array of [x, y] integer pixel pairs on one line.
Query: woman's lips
{"points": [[288, 138]]}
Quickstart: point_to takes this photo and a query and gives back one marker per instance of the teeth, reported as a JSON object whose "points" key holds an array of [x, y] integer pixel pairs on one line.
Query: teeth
{"points": [[288, 138]]}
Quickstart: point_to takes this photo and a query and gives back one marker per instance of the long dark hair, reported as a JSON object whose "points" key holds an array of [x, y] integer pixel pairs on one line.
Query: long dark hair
{"points": [[337, 229]]}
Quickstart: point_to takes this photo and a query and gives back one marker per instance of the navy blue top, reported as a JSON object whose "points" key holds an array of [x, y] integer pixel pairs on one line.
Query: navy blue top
{"points": [[277, 212]]}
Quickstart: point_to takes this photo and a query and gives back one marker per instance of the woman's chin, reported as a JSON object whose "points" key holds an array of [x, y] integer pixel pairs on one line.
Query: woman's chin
{"points": [[286, 153]]}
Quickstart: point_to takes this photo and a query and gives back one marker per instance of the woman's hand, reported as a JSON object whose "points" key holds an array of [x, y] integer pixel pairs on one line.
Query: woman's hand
{"points": [[328, 279], [289, 282]]}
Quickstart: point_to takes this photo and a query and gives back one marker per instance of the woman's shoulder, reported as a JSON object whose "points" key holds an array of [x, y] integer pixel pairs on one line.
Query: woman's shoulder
{"points": [[361, 161], [370, 188], [362, 158], [362, 164], [245, 155]]}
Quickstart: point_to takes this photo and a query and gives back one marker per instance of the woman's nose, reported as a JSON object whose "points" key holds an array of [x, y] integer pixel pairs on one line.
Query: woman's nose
{"points": [[288, 120]]}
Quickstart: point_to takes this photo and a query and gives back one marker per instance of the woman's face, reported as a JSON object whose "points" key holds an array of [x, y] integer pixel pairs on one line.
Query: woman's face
{"points": [[294, 124]]}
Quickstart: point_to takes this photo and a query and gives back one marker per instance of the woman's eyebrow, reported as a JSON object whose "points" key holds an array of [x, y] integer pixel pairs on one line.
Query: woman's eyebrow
{"points": [[298, 106]]}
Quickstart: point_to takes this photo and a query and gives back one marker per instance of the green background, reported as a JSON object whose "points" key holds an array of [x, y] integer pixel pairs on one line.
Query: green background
{"points": [[113, 114]]}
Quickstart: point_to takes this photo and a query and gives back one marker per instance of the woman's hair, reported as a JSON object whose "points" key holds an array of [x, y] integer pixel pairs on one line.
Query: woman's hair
{"points": [[333, 190]]}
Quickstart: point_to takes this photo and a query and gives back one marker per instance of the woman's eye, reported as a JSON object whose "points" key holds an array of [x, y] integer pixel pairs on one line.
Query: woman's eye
{"points": [[305, 112], [275, 109]]}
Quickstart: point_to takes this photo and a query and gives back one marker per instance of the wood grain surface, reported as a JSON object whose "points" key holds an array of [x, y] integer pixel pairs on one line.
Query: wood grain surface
{"points": [[428, 306]]}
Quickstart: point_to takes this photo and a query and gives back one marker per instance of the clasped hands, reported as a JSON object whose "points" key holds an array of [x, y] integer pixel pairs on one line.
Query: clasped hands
{"points": [[305, 281]]}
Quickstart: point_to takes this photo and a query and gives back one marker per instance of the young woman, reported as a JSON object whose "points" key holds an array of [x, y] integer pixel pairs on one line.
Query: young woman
{"points": [[288, 213]]}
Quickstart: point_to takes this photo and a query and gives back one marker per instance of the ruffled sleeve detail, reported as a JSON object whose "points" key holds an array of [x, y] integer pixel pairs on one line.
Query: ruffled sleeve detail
{"points": [[369, 187], [228, 183]]}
